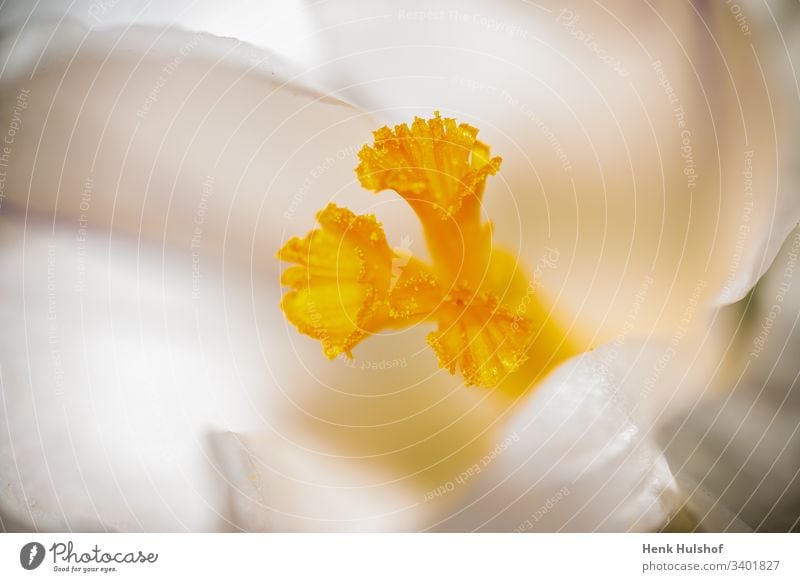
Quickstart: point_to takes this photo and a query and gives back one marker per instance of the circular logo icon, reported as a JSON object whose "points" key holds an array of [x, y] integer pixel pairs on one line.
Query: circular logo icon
{"points": [[31, 555]]}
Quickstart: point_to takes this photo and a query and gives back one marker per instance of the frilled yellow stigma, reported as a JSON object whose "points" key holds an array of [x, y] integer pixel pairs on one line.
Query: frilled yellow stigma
{"points": [[340, 282], [341, 285], [481, 337], [435, 165], [345, 284]]}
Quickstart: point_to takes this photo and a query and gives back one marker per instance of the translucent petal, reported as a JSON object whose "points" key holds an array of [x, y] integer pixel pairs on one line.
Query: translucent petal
{"points": [[579, 454]]}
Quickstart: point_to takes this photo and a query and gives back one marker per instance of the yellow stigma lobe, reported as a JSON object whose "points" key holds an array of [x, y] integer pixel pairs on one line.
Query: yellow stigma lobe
{"points": [[435, 164], [340, 281], [484, 339]]}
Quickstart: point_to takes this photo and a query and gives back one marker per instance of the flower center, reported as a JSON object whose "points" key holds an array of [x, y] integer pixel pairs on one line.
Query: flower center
{"points": [[344, 285]]}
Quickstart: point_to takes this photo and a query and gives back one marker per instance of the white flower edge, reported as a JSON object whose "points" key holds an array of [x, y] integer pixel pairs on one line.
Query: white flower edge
{"points": [[152, 116]]}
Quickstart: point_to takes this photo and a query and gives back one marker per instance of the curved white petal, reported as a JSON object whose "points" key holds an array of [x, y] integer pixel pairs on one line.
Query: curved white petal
{"points": [[761, 235], [580, 454], [737, 453], [272, 487], [114, 374], [280, 28], [167, 128], [769, 335]]}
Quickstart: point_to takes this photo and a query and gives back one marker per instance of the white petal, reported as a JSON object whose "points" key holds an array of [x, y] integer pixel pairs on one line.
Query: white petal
{"points": [[765, 227], [169, 128], [737, 453], [769, 335], [580, 454], [284, 28], [275, 487], [114, 374]]}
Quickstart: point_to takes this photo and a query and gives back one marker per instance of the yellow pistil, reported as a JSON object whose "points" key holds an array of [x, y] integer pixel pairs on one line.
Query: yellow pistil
{"points": [[341, 280], [343, 288], [439, 168]]}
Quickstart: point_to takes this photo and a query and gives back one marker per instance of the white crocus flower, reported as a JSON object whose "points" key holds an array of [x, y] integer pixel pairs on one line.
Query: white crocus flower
{"points": [[149, 380]]}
